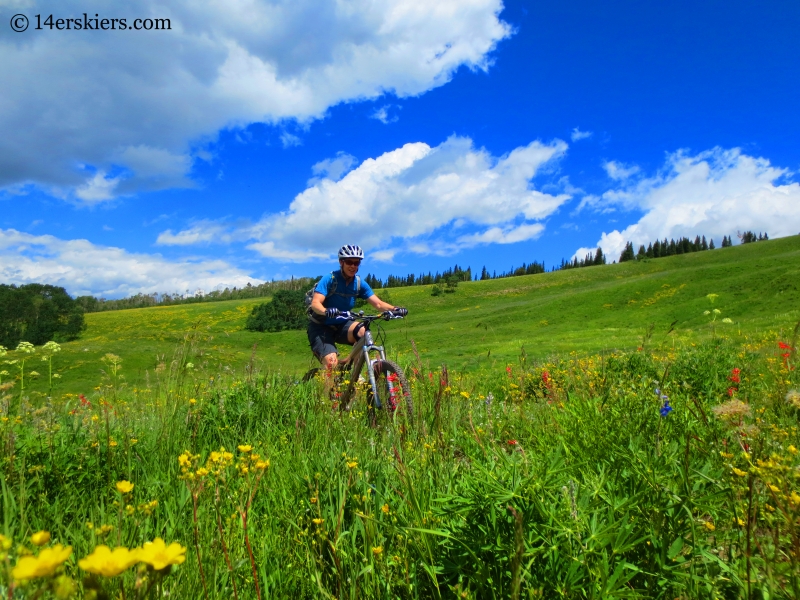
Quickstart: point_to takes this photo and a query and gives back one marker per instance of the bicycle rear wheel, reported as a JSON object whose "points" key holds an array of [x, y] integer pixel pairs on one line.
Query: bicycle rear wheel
{"points": [[394, 393]]}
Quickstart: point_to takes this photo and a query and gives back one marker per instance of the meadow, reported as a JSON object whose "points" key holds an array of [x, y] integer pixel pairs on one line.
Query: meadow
{"points": [[484, 324], [591, 456]]}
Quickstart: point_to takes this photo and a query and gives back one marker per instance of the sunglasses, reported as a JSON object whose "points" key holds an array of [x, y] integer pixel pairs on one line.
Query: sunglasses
{"points": [[352, 263]]}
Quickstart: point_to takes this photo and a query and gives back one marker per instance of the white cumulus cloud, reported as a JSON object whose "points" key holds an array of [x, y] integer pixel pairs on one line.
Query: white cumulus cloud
{"points": [[141, 105], [395, 201], [577, 134], [83, 268], [714, 193]]}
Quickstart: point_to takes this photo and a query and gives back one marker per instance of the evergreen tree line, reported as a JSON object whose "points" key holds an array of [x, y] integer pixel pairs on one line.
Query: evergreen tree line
{"points": [[684, 245], [38, 313], [454, 275], [92, 304]]}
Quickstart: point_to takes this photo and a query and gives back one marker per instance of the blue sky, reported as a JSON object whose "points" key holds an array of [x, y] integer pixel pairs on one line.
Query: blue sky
{"points": [[252, 139]]}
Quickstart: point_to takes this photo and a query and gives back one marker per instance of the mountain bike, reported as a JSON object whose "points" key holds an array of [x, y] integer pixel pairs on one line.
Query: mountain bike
{"points": [[389, 392]]}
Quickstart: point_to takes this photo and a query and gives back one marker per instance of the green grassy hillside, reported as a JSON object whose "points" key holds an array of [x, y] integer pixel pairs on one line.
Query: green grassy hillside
{"points": [[589, 309]]}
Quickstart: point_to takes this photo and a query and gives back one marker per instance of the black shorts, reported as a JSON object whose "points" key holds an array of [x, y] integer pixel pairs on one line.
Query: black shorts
{"points": [[323, 338]]}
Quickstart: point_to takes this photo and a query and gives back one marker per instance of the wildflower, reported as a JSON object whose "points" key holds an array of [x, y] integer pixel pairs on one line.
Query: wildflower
{"points": [[739, 522], [465, 394], [709, 525], [377, 550], [774, 488], [192, 401], [124, 487], [726, 454], [202, 472], [318, 521], [734, 377], [63, 587], [512, 442], [245, 449], [160, 556], [739, 472], [26, 348], [5, 543], [732, 409], [105, 530], [109, 563], [262, 464], [792, 450], [666, 409], [40, 538], [352, 464], [385, 509], [44, 565]]}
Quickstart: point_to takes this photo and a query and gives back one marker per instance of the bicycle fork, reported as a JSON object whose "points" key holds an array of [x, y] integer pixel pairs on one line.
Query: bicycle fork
{"points": [[366, 349]]}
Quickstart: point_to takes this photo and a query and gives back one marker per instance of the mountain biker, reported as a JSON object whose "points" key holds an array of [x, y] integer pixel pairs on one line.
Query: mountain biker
{"points": [[336, 292]]}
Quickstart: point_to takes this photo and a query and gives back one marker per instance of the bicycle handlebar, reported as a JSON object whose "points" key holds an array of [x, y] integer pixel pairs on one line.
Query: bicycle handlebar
{"points": [[360, 316]]}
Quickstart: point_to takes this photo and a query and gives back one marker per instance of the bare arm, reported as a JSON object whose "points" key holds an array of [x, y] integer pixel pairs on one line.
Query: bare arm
{"points": [[316, 304], [379, 304]]}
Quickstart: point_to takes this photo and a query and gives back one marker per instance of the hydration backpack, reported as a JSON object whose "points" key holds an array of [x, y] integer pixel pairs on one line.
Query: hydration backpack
{"points": [[331, 290]]}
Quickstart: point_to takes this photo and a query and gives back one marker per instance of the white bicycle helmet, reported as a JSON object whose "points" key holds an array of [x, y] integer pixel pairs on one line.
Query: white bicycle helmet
{"points": [[350, 251]]}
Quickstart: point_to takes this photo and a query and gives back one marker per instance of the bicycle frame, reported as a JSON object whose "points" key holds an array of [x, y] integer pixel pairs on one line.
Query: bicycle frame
{"points": [[359, 355]]}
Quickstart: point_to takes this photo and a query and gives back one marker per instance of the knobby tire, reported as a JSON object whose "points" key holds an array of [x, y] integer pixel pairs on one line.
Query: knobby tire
{"points": [[385, 369]]}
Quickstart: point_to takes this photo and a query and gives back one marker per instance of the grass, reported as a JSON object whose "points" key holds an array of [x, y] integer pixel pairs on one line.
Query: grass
{"points": [[484, 324], [541, 479]]}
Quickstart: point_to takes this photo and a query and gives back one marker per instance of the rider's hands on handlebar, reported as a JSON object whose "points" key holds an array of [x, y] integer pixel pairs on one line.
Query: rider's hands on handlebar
{"points": [[399, 311], [331, 313]]}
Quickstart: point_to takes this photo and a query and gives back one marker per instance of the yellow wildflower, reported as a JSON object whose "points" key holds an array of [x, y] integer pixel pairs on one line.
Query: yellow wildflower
{"points": [[192, 401], [739, 522], [795, 498], [318, 521], [246, 448], [709, 525], [109, 563], [160, 556], [262, 464], [792, 450], [105, 529], [5, 543], [63, 587], [40, 538], [726, 454], [313, 500], [352, 464], [44, 565], [124, 487], [739, 472], [385, 509], [202, 472], [377, 551], [774, 488]]}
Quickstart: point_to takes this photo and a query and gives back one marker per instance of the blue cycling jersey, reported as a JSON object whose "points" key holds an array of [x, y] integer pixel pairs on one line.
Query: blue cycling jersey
{"points": [[341, 295]]}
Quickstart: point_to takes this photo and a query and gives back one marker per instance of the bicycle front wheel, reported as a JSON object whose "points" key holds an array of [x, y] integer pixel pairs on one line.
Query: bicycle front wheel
{"points": [[394, 392]]}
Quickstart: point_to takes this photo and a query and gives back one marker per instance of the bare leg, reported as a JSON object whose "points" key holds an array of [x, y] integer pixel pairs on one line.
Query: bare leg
{"points": [[329, 362], [352, 337]]}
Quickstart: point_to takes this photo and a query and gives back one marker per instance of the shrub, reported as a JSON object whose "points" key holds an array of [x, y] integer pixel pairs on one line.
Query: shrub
{"points": [[286, 311], [38, 313]]}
